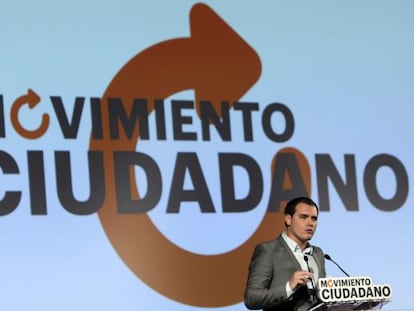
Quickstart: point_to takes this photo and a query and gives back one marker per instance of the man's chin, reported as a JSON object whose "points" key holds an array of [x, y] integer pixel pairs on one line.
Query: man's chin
{"points": [[307, 237]]}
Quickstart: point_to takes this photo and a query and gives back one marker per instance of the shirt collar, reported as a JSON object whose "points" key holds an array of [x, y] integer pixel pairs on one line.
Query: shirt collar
{"points": [[295, 247]]}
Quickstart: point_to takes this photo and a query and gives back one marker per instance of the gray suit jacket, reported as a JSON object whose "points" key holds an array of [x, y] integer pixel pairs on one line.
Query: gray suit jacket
{"points": [[271, 267]]}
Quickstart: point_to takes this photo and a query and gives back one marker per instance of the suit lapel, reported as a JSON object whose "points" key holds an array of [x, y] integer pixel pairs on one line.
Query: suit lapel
{"points": [[292, 257], [319, 263]]}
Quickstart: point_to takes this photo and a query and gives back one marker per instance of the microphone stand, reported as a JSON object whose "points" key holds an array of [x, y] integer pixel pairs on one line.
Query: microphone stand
{"points": [[313, 296], [330, 259]]}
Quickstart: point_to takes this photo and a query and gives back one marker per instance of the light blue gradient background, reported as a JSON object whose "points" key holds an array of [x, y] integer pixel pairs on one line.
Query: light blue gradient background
{"points": [[344, 68]]}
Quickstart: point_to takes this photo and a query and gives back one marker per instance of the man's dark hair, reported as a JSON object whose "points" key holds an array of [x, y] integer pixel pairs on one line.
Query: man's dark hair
{"points": [[290, 207]]}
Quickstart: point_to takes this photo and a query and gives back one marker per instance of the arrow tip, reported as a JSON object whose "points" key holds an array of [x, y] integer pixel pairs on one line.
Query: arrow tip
{"points": [[32, 98], [227, 56]]}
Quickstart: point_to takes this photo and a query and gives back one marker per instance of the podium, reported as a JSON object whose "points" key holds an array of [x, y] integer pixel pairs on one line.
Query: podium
{"points": [[345, 306], [351, 293]]}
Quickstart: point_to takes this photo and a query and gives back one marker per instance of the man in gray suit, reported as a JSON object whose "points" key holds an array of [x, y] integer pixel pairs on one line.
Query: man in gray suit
{"points": [[283, 272]]}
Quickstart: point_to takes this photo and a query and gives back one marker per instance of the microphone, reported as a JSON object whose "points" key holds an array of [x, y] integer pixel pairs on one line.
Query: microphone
{"points": [[330, 259], [309, 269]]}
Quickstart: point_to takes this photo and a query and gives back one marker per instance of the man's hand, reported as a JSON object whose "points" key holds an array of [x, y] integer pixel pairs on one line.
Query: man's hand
{"points": [[299, 278]]}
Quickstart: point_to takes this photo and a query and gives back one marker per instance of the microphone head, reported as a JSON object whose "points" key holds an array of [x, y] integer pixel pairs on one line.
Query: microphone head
{"points": [[305, 258], [327, 256]]}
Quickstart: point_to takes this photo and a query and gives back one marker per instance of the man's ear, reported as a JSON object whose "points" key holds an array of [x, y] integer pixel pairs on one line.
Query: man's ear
{"points": [[288, 220]]}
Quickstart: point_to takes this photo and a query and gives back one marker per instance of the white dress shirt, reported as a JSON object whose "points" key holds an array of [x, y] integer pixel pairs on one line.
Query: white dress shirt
{"points": [[299, 255]]}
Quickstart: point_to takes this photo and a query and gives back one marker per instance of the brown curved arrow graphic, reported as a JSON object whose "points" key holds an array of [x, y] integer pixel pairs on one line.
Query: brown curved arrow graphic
{"points": [[219, 65]]}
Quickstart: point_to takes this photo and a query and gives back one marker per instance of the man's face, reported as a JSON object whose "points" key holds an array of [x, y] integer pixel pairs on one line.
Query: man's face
{"points": [[302, 225]]}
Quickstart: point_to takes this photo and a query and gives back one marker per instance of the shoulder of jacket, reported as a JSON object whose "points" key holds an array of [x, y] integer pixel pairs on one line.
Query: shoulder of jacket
{"points": [[271, 244]]}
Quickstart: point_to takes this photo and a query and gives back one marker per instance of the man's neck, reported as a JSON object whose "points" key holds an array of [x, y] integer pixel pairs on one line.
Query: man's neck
{"points": [[300, 243]]}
